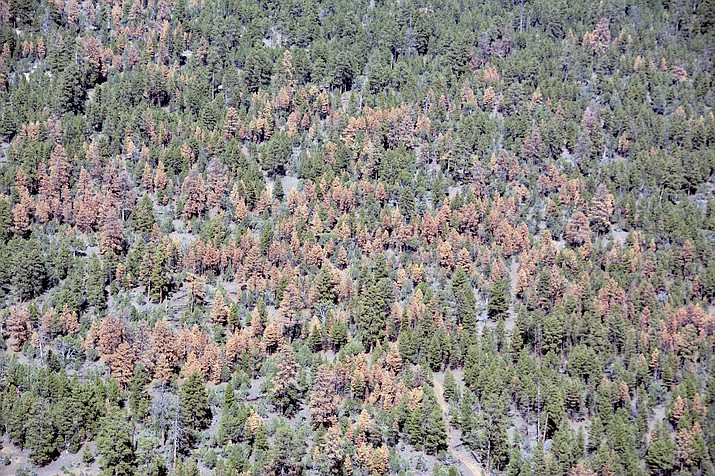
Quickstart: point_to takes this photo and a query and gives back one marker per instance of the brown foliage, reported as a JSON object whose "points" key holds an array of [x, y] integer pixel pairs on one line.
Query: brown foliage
{"points": [[194, 189], [18, 327], [577, 230], [112, 232], [323, 398], [122, 363], [111, 333]]}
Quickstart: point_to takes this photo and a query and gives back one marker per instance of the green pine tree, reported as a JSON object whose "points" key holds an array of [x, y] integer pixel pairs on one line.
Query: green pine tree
{"points": [[371, 315], [278, 192], [465, 302], [142, 216], [234, 320], [96, 282], [435, 352], [41, 437], [325, 287], [407, 203], [415, 427], [436, 431], [160, 278], [498, 300], [286, 450], [5, 219], [451, 391], [194, 403], [233, 418], [114, 445], [71, 91], [30, 273]]}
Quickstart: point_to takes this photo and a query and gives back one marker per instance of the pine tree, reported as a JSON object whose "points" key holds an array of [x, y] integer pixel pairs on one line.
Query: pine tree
{"points": [[96, 282], [285, 389], [42, 435], [234, 320], [435, 352], [18, 326], [415, 427], [114, 445], [498, 300], [30, 273], [561, 447], [278, 192], [112, 232], [436, 432], [371, 316], [595, 434], [554, 409], [539, 464], [338, 334], [286, 451], [123, 363], [233, 418], [139, 399], [323, 400], [194, 189], [22, 211], [220, 311], [70, 323], [189, 468], [71, 90], [325, 287], [515, 461], [142, 216], [5, 218], [407, 203], [315, 335], [194, 404], [160, 277], [408, 344], [257, 68], [577, 230], [451, 391], [601, 210], [256, 429], [196, 286], [332, 450], [160, 181], [660, 456], [465, 303], [492, 424]]}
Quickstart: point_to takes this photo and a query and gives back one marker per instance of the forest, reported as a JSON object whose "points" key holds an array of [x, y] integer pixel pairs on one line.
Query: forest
{"points": [[357, 238]]}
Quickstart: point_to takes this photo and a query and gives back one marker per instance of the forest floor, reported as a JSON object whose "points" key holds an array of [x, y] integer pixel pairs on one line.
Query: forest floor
{"points": [[454, 445], [66, 464]]}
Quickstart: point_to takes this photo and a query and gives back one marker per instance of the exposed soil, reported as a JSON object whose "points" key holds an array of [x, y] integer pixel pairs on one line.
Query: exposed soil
{"points": [[468, 464]]}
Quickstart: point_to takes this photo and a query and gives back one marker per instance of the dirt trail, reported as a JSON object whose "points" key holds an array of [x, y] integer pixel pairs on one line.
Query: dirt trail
{"points": [[453, 442]]}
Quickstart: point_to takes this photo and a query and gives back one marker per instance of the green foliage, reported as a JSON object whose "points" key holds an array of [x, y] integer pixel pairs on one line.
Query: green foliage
{"points": [[287, 450], [142, 215], [114, 445], [371, 314], [498, 300], [436, 433], [257, 69], [661, 454], [71, 91], [549, 161], [465, 302], [324, 287], [41, 438], [195, 410], [30, 273], [233, 417]]}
